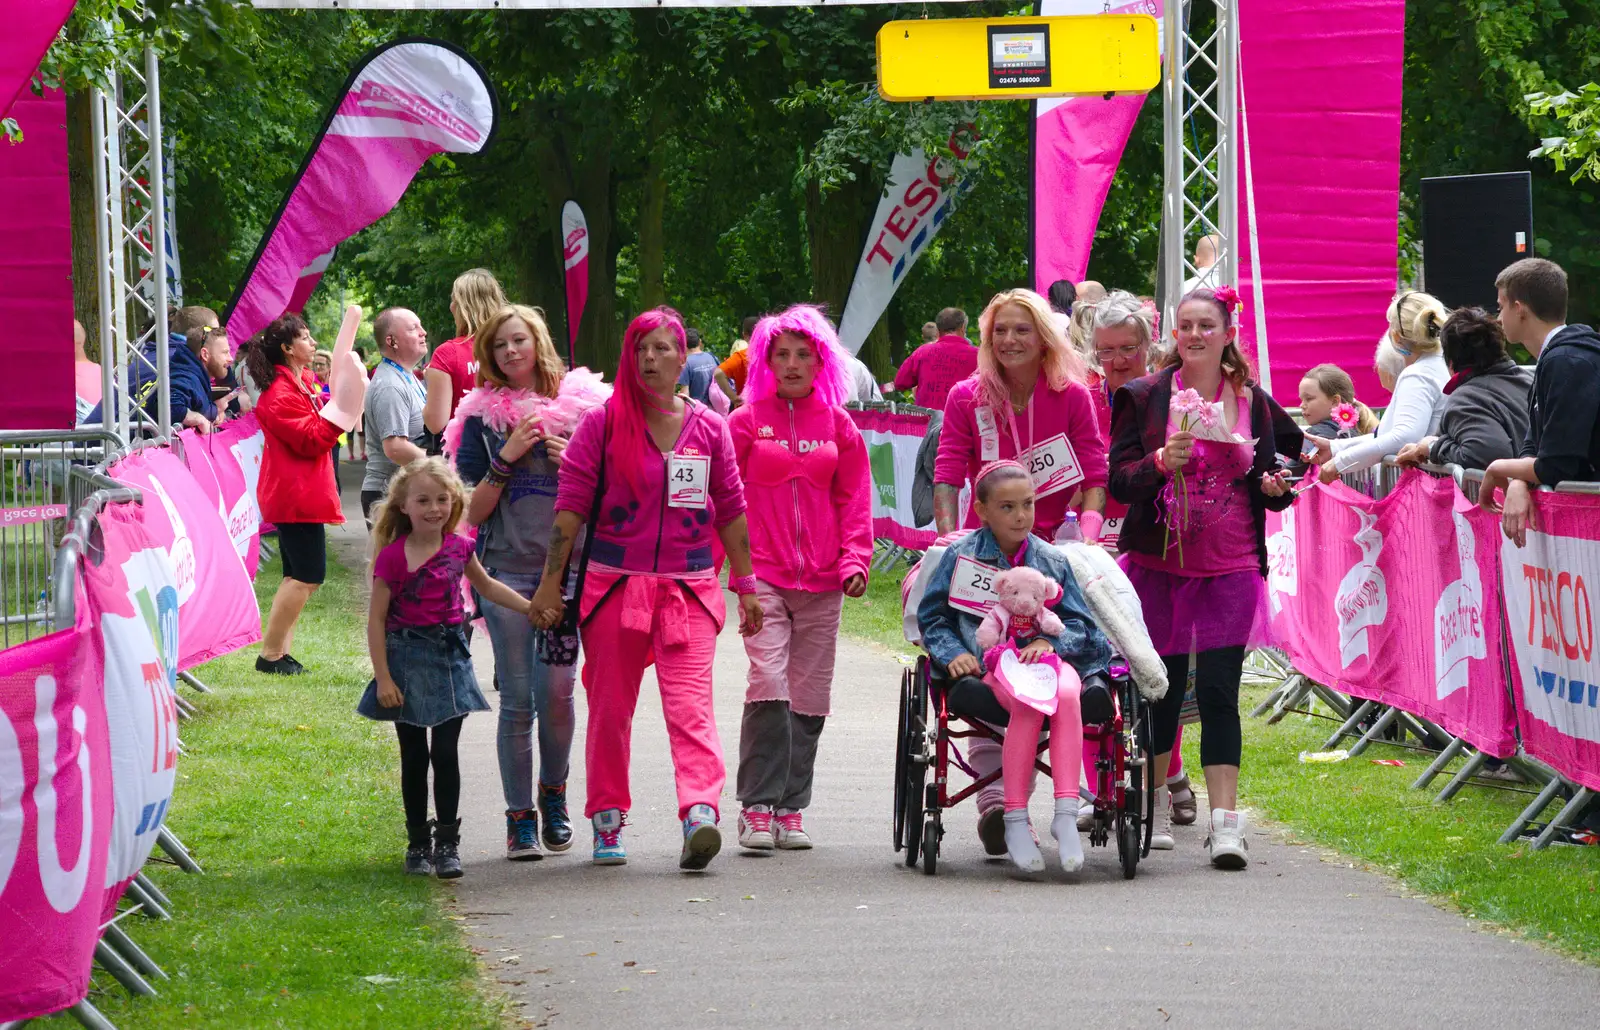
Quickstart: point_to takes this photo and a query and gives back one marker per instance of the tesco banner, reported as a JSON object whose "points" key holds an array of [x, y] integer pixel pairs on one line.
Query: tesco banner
{"points": [[892, 441], [1550, 619], [920, 196], [1393, 601]]}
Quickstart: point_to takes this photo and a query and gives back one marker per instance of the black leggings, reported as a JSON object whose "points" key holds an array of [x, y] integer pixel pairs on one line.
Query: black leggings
{"points": [[1216, 691], [414, 757]]}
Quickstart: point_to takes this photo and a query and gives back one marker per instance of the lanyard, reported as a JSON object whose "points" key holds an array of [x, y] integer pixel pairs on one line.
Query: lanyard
{"points": [[422, 391], [1011, 422]]}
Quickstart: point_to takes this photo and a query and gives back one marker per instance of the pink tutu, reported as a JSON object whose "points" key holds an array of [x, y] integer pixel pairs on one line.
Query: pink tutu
{"points": [[1201, 612]]}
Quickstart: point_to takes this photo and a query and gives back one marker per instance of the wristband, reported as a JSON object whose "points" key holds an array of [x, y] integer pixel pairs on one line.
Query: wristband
{"points": [[500, 466], [1090, 522], [1161, 463], [742, 585]]}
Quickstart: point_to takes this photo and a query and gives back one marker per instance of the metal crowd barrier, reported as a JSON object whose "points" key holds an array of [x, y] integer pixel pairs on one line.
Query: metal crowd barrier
{"points": [[1369, 721]]}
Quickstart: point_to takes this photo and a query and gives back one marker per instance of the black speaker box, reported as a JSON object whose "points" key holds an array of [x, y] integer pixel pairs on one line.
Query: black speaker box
{"points": [[1472, 227]]}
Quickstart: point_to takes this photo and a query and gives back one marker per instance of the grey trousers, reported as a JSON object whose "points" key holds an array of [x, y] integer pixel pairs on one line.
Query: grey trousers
{"points": [[777, 755]]}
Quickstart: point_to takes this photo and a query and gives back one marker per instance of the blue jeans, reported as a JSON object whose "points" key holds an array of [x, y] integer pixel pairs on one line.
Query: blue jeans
{"points": [[529, 689]]}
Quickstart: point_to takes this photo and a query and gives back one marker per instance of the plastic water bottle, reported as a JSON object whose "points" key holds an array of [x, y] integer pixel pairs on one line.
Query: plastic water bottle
{"points": [[1070, 531]]}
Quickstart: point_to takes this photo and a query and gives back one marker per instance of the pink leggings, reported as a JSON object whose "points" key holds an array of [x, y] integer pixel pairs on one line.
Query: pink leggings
{"points": [[1022, 740], [1091, 754]]}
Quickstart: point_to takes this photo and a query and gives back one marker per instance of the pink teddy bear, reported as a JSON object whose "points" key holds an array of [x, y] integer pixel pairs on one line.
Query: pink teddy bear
{"points": [[1022, 611]]}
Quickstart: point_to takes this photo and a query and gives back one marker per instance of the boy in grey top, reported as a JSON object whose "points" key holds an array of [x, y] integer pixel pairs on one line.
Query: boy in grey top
{"points": [[393, 412]]}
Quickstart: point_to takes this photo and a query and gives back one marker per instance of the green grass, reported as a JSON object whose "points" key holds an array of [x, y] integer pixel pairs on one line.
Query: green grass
{"points": [[1369, 813], [291, 802]]}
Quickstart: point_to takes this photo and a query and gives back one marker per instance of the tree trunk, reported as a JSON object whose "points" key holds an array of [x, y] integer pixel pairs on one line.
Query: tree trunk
{"points": [[571, 171], [652, 234], [834, 227], [85, 235]]}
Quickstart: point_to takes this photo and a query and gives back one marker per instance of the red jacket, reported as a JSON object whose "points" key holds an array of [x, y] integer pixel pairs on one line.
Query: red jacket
{"points": [[296, 483]]}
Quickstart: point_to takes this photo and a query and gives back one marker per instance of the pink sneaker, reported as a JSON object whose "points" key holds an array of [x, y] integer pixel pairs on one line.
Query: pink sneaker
{"points": [[791, 835], [755, 828]]}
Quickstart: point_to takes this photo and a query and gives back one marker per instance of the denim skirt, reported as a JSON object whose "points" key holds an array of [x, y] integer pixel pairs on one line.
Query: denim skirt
{"points": [[433, 669]]}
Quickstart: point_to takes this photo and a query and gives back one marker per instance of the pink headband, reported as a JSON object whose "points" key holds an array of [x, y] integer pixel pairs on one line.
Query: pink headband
{"points": [[995, 466]]}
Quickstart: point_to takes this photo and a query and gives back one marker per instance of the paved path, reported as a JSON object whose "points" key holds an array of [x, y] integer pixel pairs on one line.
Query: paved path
{"points": [[845, 935]]}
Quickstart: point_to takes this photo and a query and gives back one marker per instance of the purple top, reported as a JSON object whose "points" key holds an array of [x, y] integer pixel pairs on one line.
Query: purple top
{"points": [[644, 533], [430, 596]]}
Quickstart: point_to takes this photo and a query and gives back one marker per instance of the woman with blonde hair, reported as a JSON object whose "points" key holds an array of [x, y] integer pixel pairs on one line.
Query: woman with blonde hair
{"points": [[507, 439], [453, 370], [1028, 403], [1415, 320]]}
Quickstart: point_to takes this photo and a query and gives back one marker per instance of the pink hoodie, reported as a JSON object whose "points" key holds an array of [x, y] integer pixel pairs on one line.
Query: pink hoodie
{"points": [[643, 534], [809, 487]]}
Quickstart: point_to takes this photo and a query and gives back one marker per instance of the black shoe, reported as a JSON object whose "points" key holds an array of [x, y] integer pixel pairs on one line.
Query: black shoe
{"points": [[557, 827], [446, 844], [522, 836], [419, 848], [284, 666]]}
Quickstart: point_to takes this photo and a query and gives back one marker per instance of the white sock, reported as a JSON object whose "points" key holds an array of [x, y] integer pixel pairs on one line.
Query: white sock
{"points": [[1020, 846], [1064, 827]]}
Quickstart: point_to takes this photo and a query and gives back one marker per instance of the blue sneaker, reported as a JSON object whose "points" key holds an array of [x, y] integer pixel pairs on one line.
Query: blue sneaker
{"points": [[522, 836], [608, 849], [701, 838]]}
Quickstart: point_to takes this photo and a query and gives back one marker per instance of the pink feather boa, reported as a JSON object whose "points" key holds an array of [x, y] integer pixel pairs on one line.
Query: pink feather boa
{"points": [[501, 409]]}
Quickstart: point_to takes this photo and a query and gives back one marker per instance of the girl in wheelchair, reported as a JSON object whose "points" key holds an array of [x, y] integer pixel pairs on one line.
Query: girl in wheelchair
{"points": [[959, 593]]}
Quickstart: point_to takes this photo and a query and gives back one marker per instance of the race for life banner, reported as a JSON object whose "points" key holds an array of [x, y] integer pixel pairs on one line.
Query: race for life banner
{"points": [[1550, 618], [1393, 601], [55, 819], [892, 442], [1077, 145], [306, 285], [226, 464], [920, 196], [216, 602], [575, 262], [405, 102]]}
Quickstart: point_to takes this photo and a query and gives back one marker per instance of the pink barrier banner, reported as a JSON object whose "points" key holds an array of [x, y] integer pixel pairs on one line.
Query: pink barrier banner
{"points": [[405, 102], [132, 617], [1550, 620], [892, 441], [227, 464], [1077, 145], [217, 610], [1387, 601], [38, 391], [55, 819], [1320, 87]]}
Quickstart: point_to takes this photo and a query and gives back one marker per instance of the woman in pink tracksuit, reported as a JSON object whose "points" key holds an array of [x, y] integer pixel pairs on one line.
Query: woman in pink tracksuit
{"points": [[809, 491], [653, 475]]}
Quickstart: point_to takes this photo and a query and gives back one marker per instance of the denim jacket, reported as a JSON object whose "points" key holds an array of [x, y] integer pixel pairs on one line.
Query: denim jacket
{"points": [[948, 632]]}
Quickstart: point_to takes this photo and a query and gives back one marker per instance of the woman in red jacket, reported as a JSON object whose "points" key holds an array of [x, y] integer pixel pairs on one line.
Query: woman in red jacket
{"points": [[296, 489]]}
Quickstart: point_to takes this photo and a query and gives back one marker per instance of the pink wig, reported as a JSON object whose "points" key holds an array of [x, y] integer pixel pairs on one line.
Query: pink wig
{"points": [[629, 398], [833, 373]]}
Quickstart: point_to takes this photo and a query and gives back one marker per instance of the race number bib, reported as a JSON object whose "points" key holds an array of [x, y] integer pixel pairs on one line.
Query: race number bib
{"points": [[688, 476], [1110, 532], [988, 433], [972, 586], [1052, 465]]}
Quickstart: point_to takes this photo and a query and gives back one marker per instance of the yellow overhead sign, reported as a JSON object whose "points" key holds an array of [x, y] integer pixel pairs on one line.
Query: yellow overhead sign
{"points": [[1018, 58]]}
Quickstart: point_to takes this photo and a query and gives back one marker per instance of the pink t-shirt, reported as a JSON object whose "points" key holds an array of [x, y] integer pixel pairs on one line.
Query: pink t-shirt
{"points": [[431, 595], [454, 358], [934, 368], [87, 381]]}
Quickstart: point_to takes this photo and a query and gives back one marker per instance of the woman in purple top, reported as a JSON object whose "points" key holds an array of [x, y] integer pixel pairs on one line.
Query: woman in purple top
{"points": [[654, 477], [422, 671], [1194, 541]]}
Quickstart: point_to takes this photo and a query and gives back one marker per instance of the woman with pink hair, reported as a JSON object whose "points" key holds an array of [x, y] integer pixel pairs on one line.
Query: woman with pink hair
{"points": [[809, 490], [1028, 403], [653, 477]]}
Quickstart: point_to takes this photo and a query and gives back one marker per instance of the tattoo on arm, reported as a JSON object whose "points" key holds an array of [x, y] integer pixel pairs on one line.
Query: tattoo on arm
{"points": [[560, 550], [946, 507]]}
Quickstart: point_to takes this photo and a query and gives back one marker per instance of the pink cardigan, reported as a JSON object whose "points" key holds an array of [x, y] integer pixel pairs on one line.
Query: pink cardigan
{"points": [[641, 534], [1069, 411], [809, 487]]}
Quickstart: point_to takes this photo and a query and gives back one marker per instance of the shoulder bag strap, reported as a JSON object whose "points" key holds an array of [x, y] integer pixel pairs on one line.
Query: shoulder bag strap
{"points": [[594, 511]]}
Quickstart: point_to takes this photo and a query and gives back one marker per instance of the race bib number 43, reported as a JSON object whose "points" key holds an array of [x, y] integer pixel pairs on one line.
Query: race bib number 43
{"points": [[972, 586], [688, 476]]}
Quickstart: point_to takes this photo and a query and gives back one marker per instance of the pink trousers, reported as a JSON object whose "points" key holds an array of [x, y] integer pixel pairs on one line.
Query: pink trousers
{"points": [[651, 619], [791, 659], [1022, 740]]}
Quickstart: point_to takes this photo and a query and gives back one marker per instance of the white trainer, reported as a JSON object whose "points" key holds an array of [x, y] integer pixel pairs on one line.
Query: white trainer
{"points": [[1161, 835], [1227, 845], [755, 828], [790, 832]]}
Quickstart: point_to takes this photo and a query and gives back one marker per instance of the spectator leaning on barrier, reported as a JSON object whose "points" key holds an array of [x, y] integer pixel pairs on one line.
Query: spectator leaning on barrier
{"points": [[1485, 414], [1324, 388], [1563, 440], [1413, 412], [393, 411], [189, 373], [933, 368]]}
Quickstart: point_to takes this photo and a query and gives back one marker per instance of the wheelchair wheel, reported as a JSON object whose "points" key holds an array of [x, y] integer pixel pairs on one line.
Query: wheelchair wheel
{"points": [[902, 760], [1134, 812], [916, 773], [930, 846], [1128, 841]]}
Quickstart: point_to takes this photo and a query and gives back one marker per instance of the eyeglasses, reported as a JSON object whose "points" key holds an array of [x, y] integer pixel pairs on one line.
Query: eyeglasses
{"points": [[1126, 351]]}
